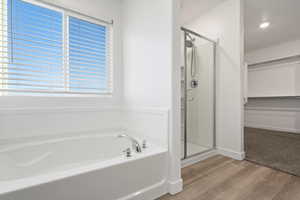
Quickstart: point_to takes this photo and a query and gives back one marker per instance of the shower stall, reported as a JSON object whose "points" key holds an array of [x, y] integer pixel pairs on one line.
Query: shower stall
{"points": [[198, 94]]}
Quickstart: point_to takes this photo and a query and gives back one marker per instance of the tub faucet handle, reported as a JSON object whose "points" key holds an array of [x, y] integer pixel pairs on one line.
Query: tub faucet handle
{"points": [[127, 152], [135, 144]]}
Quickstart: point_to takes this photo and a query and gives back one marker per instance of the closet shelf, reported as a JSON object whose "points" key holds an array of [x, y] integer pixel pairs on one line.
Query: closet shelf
{"points": [[269, 97], [277, 61]]}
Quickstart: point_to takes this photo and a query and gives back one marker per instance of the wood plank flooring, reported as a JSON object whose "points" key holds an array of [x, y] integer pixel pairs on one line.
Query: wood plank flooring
{"points": [[222, 178]]}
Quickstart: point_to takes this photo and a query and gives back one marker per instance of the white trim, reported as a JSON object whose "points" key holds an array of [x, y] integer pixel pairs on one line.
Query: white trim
{"points": [[279, 65], [65, 50], [44, 5], [3, 47], [86, 18], [175, 187], [273, 128], [257, 108], [198, 158], [34, 110], [110, 57], [231, 154], [153, 110]]}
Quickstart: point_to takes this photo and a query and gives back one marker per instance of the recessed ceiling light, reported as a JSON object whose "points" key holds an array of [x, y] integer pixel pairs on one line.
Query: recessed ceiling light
{"points": [[264, 25]]}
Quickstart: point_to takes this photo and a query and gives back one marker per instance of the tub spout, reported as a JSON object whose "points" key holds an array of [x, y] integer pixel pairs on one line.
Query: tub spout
{"points": [[135, 144]]}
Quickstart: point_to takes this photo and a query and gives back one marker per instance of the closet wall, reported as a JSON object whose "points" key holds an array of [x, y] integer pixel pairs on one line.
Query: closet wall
{"points": [[274, 79]]}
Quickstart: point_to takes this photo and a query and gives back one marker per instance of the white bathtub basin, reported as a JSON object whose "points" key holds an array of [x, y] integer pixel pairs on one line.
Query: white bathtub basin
{"points": [[36, 167]]}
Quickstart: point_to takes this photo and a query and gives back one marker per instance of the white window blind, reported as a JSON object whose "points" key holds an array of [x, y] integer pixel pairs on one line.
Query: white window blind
{"points": [[49, 51]]}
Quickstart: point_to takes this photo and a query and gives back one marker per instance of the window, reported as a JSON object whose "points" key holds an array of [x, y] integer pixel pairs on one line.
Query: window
{"points": [[50, 51]]}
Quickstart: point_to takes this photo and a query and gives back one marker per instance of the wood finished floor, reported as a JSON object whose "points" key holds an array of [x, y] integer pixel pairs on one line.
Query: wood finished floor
{"points": [[222, 178]]}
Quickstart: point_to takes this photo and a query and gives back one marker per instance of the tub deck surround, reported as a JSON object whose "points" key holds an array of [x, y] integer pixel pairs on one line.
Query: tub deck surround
{"points": [[34, 163]]}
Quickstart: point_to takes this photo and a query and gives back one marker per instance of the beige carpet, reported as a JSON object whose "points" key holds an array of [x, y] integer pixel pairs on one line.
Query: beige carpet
{"points": [[279, 150]]}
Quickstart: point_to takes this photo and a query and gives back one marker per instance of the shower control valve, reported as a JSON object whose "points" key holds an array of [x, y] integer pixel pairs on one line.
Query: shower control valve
{"points": [[194, 83]]}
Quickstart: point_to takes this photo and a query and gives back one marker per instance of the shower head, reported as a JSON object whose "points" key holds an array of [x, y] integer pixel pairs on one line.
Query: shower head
{"points": [[189, 43]]}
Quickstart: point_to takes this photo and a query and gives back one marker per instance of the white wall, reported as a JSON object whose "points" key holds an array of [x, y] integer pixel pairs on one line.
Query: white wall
{"points": [[151, 125], [275, 114], [281, 50], [224, 22], [147, 53], [148, 38]]}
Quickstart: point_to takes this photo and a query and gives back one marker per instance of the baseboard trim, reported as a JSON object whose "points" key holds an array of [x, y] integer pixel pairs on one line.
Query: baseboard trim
{"points": [[280, 109], [175, 187], [232, 154], [272, 128], [198, 158]]}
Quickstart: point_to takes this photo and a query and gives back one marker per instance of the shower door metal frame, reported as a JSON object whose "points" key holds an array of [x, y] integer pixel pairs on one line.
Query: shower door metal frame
{"points": [[186, 32]]}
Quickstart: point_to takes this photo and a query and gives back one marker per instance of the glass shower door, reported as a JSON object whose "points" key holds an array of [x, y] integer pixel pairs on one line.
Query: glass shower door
{"points": [[199, 95]]}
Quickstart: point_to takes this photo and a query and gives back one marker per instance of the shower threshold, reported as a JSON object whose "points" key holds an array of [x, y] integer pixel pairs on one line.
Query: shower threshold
{"points": [[193, 149]]}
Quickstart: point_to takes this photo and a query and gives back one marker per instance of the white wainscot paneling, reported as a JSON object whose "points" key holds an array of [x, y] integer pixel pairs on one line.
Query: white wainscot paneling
{"points": [[273, 118]]}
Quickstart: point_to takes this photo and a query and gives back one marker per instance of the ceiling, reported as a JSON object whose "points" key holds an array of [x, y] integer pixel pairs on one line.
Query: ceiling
{"points": [[284, 16], [191, 9]]}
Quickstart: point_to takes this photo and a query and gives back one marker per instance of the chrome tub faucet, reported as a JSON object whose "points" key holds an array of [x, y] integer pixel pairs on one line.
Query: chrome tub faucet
{"points": [[135, 144]]}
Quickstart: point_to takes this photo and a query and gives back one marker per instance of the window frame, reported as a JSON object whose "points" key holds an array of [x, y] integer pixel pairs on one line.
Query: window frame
{"points": [[66, 13]]}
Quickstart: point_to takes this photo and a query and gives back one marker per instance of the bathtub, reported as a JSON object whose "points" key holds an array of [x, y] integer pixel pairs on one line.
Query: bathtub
{"points": [[77, 167]]}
